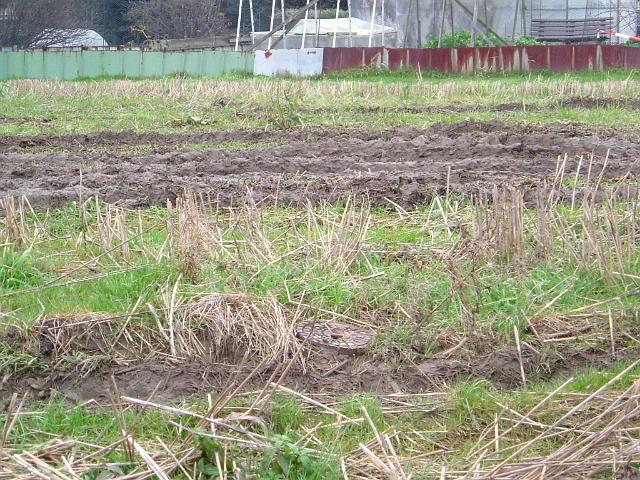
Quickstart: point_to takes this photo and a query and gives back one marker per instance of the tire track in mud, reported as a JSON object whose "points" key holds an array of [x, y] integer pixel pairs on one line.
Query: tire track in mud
{"points": [[405, 166]]}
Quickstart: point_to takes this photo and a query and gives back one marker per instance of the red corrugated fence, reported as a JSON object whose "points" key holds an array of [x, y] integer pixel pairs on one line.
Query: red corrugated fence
{"points": [[556, 58]]}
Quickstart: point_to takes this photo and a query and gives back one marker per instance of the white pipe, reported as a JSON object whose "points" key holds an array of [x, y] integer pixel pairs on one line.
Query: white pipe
{"points": [[373, 18], [273, 14], [238, 27], [284, 31], [383, 2], [304, 27], [315, 9], [349, 8], [253, 26], [335, 31]]}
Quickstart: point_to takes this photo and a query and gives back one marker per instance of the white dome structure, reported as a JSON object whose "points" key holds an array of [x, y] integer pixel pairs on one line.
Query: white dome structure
{"points": [[69, 38]]}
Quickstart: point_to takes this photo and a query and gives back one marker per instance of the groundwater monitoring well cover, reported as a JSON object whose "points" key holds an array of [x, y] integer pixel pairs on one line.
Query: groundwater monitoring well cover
{"points": [[341, 336]]}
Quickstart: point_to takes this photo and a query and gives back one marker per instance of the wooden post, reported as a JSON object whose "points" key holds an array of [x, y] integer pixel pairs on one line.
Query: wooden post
{"points": [[453, 24], [373, 19], [486, 12], [273, 14], [419, 23], [486, 27], [474, 27], [335, 30], [440, 33], [515, 21], [406, 28], [238, 26]]}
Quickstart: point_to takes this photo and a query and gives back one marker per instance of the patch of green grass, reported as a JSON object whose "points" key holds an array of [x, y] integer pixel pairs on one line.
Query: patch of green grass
{"points": [[17, 271], [115, 294]]}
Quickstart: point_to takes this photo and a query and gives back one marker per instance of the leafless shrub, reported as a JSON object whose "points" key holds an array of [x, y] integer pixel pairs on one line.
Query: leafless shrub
{"points": [[45, 22], [157, 19]]}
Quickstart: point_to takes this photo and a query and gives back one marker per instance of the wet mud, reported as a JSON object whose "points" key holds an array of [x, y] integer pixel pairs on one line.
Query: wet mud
{"points": [[404, 166]]}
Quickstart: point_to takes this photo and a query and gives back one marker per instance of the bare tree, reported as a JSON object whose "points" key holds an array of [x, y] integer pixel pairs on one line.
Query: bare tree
{"points": [[45, 22], [159, 19]]}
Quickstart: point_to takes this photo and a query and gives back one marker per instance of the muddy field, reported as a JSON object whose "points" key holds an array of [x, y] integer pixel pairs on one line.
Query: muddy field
{"points": [[404, 166]]}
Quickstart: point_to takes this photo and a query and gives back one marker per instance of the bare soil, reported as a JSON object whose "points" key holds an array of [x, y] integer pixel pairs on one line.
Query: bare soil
{"points": [[405, 166], [324, 371]]}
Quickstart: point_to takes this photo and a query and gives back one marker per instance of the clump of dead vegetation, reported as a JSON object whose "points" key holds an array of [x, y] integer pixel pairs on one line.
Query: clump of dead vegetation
{"points": [[224, 326], [214, 327]]}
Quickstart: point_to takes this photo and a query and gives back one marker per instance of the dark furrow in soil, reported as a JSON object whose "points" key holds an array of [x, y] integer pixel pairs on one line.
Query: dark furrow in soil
{"points": [[405, 166], [354, 374]]}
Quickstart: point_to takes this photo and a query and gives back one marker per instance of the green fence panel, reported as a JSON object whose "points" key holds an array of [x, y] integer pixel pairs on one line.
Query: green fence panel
{"points": [[113, 64], [34, 64], [4, 67], [92, 64], [131, 64], [152, 64], [70, 65], [15, 64], [53, 66], [193, 63], [67, 65], [173, 63], [213, 64]]}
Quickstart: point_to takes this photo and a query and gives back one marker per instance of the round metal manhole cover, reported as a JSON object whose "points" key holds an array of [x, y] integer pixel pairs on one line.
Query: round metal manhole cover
{"points": [[341, 336]]}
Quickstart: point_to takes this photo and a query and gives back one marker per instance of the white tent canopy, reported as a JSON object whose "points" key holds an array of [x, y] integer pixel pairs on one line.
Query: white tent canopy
{"points": [[328, 26], [327, 32]]}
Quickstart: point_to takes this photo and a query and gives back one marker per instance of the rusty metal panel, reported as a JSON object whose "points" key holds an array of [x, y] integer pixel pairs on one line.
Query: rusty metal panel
{"points": [[440, 59], [336, 59], [612, 57], [632, 57], [561, 58], [398, 58], [584, 57], [420, 58], [372, 56], [510, 59], [488, 59], [535, 57], [465, 59], [331, 60]]}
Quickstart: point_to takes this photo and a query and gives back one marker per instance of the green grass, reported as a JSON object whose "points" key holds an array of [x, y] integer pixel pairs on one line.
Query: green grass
{"points": [[363, 99], [435, 76]]}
